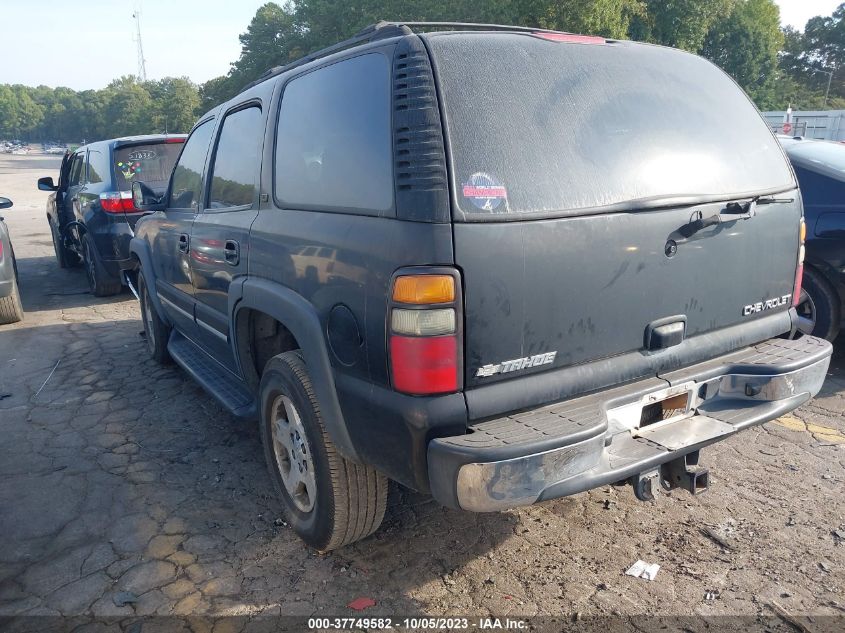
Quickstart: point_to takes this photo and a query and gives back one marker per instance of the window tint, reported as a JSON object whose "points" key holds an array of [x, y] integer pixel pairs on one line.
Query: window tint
{"points": [[151, 164], [236, 161], [333, 145], [819, 189], [98, 166], [554, 128], [77, 170], [187, 177]]}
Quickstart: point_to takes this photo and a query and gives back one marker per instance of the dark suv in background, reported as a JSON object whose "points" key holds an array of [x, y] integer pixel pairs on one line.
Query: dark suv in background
{"points": [[820, 169], [495, 264], [91, 213]]}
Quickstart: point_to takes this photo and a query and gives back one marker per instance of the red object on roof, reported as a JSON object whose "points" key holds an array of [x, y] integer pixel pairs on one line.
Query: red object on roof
{"points": [[571, 37]]}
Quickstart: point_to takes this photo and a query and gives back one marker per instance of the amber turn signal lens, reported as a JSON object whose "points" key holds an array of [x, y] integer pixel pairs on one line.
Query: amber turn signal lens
{"points": [[423, 289], [803, 231]]}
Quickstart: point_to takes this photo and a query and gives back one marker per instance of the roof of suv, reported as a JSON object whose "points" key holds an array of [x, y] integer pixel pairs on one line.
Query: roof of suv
{"points": [[384, 30], [133, 140]]}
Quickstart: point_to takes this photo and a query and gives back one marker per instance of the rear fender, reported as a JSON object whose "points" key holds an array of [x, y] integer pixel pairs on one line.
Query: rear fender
{"points": [[291, 310]]}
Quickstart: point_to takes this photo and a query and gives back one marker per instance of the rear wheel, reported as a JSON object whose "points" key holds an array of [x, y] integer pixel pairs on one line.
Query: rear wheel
{"points": [[329, 501], [11, 310], [819, 307], [156, 331], [64, 256], [101, 283]]}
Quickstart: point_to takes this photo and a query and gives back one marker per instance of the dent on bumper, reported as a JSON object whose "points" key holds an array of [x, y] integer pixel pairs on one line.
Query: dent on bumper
{"points": [[606, 449]]}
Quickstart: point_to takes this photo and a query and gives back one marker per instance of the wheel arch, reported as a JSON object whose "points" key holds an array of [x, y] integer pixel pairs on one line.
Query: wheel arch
{"points": [[298, 317], [140, 250]]}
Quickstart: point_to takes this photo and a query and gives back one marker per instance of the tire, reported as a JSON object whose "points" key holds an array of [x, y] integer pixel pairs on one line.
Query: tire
{"points": [[342, 502], [65, 257], [819, 310], [11, 310], [99, 281], [156, 331]]}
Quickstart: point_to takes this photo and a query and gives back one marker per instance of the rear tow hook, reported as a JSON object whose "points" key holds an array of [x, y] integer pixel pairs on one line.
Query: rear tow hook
{"points": [[683, 472]]}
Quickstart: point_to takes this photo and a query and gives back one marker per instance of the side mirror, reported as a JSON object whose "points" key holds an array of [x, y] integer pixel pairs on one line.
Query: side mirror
{"points": [[145, 199], [46, 184], [5, 203]]}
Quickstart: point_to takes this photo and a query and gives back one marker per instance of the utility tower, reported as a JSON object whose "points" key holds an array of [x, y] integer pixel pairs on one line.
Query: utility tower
{"points": [[142, 63]]}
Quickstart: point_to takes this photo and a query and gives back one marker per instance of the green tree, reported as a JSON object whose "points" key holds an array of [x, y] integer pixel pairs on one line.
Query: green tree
{"points": [[678, 23], [745, 43]]}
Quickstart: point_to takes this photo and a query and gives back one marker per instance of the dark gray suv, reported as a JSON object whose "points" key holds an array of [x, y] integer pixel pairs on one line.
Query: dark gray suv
{"points": [[496, 264]]}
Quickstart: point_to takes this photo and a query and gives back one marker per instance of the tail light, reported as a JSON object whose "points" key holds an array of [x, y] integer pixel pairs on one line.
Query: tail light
{"points": [[799, 271], [424, 333], [117, 202]]}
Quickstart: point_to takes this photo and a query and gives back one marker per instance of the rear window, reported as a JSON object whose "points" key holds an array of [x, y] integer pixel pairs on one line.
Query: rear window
{"points": [[151, 164], [548, 128]]}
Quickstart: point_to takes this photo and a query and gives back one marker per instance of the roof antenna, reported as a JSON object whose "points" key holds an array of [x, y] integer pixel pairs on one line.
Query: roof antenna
{"points": [[142, 63]]}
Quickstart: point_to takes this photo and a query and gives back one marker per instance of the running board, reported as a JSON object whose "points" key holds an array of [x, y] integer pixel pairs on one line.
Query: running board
{"points": [[218, 381]]}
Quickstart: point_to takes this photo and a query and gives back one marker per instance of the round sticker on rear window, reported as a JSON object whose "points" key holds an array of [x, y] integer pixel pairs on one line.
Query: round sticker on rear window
{"points": [[485, 192]]}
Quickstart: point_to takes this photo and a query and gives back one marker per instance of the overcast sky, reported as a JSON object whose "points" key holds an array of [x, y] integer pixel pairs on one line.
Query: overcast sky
{"points": [[87, 43]]}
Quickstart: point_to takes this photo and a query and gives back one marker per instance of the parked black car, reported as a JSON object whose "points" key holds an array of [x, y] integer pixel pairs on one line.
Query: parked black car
{"points": [[497, 265], [11, 310], [820, 168], [91, 215]]}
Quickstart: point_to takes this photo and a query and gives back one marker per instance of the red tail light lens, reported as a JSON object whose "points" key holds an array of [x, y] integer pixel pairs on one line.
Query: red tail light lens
{"points": [[424, 365], [117, 202], [799, 271], [424, 328], [174, 140]]}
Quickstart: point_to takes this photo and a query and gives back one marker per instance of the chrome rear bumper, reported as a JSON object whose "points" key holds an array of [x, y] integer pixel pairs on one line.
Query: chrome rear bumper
{"points": [[576, 445]]}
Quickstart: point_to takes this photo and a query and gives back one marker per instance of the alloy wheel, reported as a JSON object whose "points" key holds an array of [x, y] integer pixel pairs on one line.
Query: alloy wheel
{"points": [[293, 453]]}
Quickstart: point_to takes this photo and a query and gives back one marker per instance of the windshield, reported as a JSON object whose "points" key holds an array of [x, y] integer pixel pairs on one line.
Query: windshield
{"points": [[150, 163], [553, 129]]}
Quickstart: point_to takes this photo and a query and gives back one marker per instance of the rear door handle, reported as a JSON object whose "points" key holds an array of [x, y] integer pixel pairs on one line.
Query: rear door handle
{"points": [[232, 252], [183, 242]]}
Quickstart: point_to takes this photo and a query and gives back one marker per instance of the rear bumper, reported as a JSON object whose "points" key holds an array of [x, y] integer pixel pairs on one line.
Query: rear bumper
{"points": [[579, 444]]}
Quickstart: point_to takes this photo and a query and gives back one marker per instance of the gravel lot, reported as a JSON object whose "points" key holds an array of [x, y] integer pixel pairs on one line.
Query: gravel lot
{"points": [[117, 475]]}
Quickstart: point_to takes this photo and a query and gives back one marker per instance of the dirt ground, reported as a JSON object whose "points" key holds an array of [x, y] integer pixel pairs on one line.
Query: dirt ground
{"points": [[118, 475]]}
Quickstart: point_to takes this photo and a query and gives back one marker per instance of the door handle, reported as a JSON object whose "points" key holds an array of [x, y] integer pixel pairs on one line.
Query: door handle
{"points": [[183, 242], [232, 252]]}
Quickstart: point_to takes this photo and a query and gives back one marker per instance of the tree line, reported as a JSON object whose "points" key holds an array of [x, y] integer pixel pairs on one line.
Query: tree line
{"points": [[776, 67]]}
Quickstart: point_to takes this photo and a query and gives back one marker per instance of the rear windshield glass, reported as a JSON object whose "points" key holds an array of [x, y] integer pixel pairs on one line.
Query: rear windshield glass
{"points": [[549, 128], [150, 164]]}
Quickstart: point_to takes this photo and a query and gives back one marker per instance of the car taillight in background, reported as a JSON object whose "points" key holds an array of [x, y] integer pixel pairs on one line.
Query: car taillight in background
{"points": [[424, 333], [117, 202], [799, 271]]}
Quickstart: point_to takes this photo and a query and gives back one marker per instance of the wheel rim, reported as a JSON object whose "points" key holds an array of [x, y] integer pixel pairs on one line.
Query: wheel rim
{"points": [[56, 245], [90, 266], [293, 453], [807, 311], [147, 315]]}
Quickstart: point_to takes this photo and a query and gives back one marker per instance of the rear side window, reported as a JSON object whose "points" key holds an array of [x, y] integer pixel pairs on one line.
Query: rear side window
{"points": [[333, 145], [150, 164], [236, 161], [98, 166], [187, 176], [553, 129]]}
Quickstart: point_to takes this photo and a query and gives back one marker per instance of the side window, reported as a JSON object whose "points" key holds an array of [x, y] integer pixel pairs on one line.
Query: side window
{"points": [[98, 167], [333, 146], [187, 175], [77, 170], [237, 159]]}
